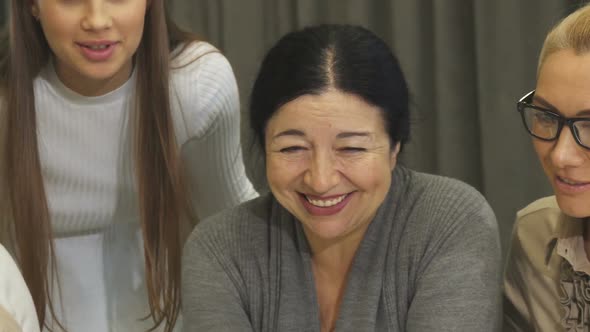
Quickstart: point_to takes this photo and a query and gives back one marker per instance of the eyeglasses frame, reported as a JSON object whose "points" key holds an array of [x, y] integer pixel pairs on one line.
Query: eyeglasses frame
{"points": [[526, 101]]}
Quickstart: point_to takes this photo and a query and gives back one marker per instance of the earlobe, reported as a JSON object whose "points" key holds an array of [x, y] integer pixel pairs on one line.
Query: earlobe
{"points": [[35, 10]]}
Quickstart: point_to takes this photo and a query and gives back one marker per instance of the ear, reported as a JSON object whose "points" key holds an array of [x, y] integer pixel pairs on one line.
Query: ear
{"points": [[393, 156]]}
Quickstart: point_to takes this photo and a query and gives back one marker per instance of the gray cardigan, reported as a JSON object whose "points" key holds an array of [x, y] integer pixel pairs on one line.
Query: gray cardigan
{"points": [[430, 261]]}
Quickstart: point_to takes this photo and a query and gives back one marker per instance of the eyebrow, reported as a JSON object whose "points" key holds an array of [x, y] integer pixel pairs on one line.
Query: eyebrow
{"points": [[289, 132], [547, 104], [346, 134]]}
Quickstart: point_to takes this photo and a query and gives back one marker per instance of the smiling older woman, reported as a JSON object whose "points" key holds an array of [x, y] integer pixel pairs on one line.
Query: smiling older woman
{"points": [[348, 239]]}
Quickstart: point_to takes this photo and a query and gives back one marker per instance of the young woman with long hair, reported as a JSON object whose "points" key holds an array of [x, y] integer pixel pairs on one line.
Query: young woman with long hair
{"points": [[116, 129]]}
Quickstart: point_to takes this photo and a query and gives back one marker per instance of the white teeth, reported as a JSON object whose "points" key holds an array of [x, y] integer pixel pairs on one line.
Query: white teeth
{"points": [[569, 182], [326, 203]]}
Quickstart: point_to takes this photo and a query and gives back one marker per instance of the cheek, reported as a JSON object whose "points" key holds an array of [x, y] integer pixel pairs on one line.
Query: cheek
{"points": [[372, 173], [134, 29], [56, 31], [281, 171], [272, 172], [137, 25], [131, 26], [543, 150]]}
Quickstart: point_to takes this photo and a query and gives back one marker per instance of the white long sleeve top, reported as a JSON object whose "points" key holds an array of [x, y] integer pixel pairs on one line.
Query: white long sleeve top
{"points": [[87, 162], [17, 310]]}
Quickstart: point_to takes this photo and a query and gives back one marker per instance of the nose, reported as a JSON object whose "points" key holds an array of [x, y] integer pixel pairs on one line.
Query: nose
{"points": [[566, 151], [322, 174], [97, 16]]}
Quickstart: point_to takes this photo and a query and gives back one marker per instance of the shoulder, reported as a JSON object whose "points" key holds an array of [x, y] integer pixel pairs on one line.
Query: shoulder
{"points": [[203, 89], [536, 226], [443, 196], [546, 206], [233, 231], [7, 322], [538, 222], [437, 209], [198, 58], [437, 184], [14, 295]]}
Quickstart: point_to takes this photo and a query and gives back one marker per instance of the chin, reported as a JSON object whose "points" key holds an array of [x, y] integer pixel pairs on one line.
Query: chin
{"points": [[574, 207], [326, 231], [100, 74]]}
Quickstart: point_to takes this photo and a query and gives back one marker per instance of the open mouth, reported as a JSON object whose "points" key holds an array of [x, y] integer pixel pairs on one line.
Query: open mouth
{"points": [[325, 202], [571, 182], [325, 206], [97, 51], [97, 45]]}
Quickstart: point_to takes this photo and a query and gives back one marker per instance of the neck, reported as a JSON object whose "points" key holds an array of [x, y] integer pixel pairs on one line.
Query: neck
{"points": [[333, 257], [92, 87], [331, 262]]}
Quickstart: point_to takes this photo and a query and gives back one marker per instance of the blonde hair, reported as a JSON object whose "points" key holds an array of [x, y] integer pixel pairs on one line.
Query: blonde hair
{"points": [[573, 32]]}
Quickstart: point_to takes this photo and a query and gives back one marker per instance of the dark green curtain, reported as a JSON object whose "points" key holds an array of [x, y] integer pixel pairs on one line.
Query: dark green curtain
{"points": [[3, 10]]}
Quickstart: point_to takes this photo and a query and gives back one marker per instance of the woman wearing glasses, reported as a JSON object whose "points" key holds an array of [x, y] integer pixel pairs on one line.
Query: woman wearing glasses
{"points": [[547, 278]]}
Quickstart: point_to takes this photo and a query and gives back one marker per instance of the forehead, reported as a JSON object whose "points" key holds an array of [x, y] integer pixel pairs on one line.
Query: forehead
{"points": [[331, 109], [564, 81]]}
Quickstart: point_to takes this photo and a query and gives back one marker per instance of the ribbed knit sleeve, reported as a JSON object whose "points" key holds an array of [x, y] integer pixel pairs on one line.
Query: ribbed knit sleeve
{"points": [[214, 289], [457, 263], [205, 91]]}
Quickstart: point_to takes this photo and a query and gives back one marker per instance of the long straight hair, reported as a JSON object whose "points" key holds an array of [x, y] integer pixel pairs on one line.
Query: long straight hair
{"points": [[25, 216]]}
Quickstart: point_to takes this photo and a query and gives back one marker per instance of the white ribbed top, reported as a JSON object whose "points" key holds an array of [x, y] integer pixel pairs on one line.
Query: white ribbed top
{"points": [[85, 149]]}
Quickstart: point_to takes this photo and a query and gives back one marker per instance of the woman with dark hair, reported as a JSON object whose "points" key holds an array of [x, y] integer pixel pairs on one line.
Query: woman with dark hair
{"points": [[347, 239], [106, 109]]}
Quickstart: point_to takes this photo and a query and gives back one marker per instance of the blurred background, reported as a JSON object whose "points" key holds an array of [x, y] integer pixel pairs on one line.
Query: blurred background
{"points": [[467, 63]]}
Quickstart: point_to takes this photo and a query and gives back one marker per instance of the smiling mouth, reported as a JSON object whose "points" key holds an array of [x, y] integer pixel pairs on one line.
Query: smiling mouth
{"points": [[572, 182], [325, 202]]}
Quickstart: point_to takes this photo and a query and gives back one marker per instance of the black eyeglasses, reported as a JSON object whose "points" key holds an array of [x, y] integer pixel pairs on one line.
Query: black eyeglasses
{"points": [[546, 125]]}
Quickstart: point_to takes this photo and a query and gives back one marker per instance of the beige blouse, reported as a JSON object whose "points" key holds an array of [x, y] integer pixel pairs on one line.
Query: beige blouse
{"points": [[546, 280], [7, 323]]}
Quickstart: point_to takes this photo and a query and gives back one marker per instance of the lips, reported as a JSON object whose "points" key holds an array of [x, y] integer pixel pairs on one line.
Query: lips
{"points": [[571, 186], [97, 51], [325, 206], [572, 182]]}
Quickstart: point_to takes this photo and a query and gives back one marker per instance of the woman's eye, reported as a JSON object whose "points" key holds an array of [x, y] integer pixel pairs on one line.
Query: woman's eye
{"points": [[291, 149], [545, 118], [353, 149]]}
